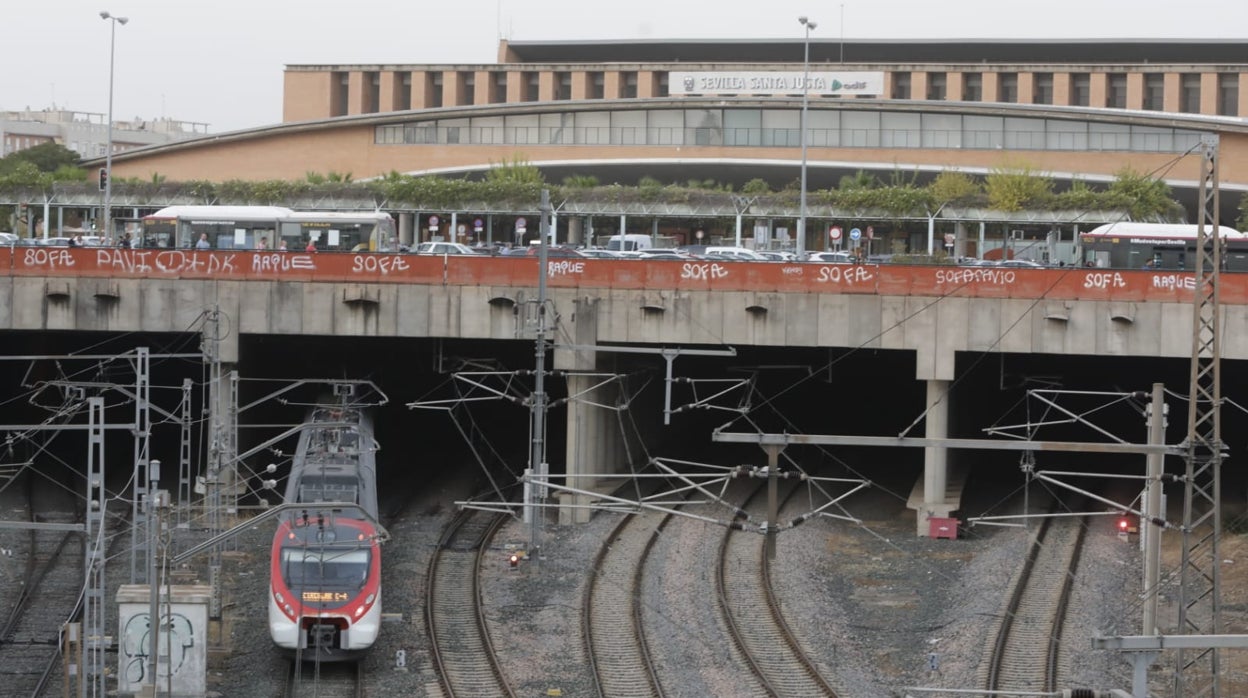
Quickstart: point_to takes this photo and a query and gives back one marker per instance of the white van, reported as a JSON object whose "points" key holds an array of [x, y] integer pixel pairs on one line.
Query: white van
{"points": [[630, 242], [738, 253]]}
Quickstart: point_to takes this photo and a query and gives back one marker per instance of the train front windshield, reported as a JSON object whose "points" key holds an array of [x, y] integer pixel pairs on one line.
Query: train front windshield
{"points": [[316, 570]]}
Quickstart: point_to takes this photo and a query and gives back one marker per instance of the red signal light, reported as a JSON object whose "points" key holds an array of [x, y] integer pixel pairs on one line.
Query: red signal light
{"points": [[514, 560]]}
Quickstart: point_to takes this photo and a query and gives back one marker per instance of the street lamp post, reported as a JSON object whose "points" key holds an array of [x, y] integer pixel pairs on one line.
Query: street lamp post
{"points": [[108, 153], [801, 220]]}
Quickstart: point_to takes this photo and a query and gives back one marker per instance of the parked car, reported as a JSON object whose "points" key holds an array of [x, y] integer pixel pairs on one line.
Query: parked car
{"points": [[664, 253], [831, 258], [1020, 264], [553, 251], [444, 248], [777, 256], [599, 253], [737, 253]]}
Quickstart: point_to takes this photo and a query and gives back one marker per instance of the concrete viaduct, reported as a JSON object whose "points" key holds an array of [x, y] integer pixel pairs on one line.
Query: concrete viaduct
{"points": [[933, 311]]}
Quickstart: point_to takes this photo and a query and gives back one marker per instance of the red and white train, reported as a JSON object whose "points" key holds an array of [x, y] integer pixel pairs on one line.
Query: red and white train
{"points": [[325, 567]]}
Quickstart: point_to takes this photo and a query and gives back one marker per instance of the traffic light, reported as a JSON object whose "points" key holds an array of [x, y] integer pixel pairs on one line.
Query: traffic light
{"points": [[103, 178], [1124, 526]]}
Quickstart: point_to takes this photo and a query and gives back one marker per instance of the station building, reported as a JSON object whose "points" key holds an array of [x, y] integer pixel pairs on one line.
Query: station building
{"points": [[732, 111]]}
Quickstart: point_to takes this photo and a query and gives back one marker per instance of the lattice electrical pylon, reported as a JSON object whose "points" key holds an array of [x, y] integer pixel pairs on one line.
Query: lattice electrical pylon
{"points": [[1196, 671]]}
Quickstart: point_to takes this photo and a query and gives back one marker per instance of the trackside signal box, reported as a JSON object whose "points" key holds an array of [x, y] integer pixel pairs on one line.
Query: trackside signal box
{"points": [[941, 527]]}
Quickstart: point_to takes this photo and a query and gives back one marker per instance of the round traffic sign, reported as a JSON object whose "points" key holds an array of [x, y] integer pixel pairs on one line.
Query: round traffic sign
{"points": [[834, 232], [520, 224], [433, 220], [478, 225], [854, 234]]}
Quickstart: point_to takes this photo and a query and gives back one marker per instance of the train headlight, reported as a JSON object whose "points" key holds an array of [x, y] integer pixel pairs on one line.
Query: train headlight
{"points": [[368, 603], [281, 601]]}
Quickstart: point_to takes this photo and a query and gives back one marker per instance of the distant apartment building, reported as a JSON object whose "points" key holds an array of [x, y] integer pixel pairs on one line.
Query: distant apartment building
{"points": [[86, 133]]}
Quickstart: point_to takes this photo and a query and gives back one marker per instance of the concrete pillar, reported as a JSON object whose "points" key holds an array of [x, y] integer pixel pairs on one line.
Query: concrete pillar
{"points": [[406, 225], [935, 467], [589, 426], [576, 231]]}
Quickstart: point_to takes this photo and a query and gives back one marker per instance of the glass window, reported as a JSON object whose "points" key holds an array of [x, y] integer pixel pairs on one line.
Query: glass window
{"points": [[901, 86], [937, 84], [1042, 88], [1080, 89], [743, 126], [522, 128], [500, 87], [453, 131], [1116, 91], [1154, 91], [782, 127], [972, 87], [597, 84], [372, 98], [823, 128], [1228, 94], [593, 127], [942, 131], [1149, 139], [1189, 93], [983, 131], [1066, 135], [1007, 87], [532, 87], [555, 128], [404, 97], [435, 89], [860, 129], [628, 84], [898, 130], [1024, 134], [487, 129], [1109, 136], [320, 567], [628, 127], [563, 85], [704, 127], [665, 127]]}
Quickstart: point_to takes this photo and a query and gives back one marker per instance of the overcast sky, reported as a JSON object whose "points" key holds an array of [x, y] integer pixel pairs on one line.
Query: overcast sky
{"points": [[220, 61]]}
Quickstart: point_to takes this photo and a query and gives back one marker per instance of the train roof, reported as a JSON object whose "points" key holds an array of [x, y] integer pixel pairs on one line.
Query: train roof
{"points": [[1161, 230]]}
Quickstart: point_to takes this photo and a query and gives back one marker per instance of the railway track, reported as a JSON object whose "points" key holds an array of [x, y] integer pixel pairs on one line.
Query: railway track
{"points": [[615, 641], [459, 640], [324, 679], [1026, 653], [753, 615], [51, 591]]}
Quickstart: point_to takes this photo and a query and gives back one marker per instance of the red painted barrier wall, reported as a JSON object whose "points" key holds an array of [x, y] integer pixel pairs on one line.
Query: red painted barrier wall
{"points": [[1066, 283]]}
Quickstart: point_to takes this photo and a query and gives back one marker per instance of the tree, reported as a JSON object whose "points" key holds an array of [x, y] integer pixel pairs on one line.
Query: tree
{"points": [[952, 187], [1016, 187], [1144, 197], [48, 157]]}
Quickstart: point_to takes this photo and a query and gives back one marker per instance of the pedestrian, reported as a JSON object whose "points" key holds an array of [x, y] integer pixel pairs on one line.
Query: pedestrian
{"points": [[203, 243], [262, 244], [126, 242], [281, 246], [311, 246]]}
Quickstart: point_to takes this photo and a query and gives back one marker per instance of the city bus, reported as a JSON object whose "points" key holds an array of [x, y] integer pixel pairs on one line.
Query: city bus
{"points": [[1170, 246], [266, 227]]}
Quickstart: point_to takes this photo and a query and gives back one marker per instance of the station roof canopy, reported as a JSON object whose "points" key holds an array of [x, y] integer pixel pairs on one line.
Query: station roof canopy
{"points": [[1054, 51]]}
